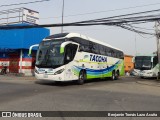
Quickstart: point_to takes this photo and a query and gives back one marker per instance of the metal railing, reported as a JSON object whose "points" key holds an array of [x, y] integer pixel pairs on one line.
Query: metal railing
{"points": [[18, 15], [11, 16]]}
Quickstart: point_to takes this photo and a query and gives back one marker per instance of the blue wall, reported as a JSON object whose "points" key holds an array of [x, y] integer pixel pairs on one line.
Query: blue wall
{"points": [[22, 38]]}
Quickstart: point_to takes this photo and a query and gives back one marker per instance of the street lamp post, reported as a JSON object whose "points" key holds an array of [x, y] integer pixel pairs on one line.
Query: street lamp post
{"points": [[62, 16], [157, 29]]}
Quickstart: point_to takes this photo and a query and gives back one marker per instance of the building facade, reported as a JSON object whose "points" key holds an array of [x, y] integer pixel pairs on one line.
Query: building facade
{"points": [[128, 63], [15, 43]]}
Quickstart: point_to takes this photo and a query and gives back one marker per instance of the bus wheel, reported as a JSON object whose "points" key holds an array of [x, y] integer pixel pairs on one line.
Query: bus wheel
{"points": [[82, 77], [113, 75], [117, 75]]}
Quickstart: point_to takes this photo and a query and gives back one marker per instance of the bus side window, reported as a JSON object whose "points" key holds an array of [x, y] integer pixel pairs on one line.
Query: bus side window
{"points": [[94, 48], [70, 51], [109, 52], [102, 50], [81, 48], [86, 46], [73, 50], [97, 47]]}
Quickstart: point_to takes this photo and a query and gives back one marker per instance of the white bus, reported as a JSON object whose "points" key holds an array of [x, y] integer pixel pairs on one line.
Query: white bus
{"points": [[72, 56], [146, 66]]}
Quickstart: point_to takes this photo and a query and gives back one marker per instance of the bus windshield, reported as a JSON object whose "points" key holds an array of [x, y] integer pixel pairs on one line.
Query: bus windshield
{"points": [[48, 54], [143, 62]]}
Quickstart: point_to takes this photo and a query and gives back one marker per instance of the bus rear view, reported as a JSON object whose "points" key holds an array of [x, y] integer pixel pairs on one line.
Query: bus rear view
{"points": [[146, 66]]}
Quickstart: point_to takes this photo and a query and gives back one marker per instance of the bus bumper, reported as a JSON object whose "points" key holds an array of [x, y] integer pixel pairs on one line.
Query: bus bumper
{"points": [[49, 77], [147, 74]]}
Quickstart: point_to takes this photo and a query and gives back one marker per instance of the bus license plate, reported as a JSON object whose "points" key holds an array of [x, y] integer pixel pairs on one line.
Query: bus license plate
{"points": [[45, 75]]}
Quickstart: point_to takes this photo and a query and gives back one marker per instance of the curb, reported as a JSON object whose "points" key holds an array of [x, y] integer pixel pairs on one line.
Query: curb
{"points": [[148, 83], [17, 79]]}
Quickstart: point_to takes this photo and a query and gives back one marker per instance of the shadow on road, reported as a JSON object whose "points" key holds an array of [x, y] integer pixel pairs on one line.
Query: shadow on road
{"points": [[74, 83]]}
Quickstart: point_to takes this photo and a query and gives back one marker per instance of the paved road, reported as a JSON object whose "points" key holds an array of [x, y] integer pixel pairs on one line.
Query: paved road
{"points": [[105, 95]]}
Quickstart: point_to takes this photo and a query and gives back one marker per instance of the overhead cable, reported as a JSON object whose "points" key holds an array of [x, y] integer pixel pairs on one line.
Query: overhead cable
{"points": [[123, 22], [23, 3], [104, 11]]}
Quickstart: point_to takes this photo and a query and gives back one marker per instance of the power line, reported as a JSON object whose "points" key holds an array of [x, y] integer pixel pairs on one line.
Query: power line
{"points": [[110, 23], [105, 11], [140, 27], [118, 16], [134, 30], [123, 22], [102, 29], [24, 3], [88, 29]]}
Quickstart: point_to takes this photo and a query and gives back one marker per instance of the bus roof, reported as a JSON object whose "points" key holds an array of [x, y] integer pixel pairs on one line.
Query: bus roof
{"points": [[69, 35], [153, 54]]}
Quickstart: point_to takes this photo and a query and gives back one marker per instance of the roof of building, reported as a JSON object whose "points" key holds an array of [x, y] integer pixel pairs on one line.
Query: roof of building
{"points": [[128, 55]]}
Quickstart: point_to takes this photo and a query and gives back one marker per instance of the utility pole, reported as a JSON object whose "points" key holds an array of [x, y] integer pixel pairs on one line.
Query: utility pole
{"points": [[135, 44], [157, 29], [62, 16]]}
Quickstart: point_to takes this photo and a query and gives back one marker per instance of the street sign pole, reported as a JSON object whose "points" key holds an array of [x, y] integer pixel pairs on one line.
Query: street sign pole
{"points": [[62, 16], [157, 29]]}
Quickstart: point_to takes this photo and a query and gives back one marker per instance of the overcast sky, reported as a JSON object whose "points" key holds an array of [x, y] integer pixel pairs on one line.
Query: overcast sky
{"points": [[78, 10]]}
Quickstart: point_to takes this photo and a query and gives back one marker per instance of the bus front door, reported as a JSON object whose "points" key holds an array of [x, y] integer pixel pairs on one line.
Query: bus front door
{"points": [[70, 51]]}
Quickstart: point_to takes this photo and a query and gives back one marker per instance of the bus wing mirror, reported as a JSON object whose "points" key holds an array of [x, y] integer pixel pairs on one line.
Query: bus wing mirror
{"points": [[151, 59], [133, 59], [62, 50], [30, 49]]}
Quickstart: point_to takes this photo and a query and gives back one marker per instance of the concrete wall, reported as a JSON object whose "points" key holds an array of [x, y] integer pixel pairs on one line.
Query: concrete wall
{"points": [[27, 65], [128, 63]]}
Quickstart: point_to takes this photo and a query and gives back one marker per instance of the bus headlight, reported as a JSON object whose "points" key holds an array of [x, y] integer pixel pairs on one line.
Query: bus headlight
{"points": [[36, 71], [59, 71], [150, 73]]}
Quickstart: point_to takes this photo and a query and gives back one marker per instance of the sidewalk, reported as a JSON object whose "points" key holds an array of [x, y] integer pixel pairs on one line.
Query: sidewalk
{"points": [[154, 82], [17, 79]]}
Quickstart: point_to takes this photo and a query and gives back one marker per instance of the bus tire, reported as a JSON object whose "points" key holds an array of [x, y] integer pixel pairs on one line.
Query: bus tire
{"points": [[82, 77], [117, 75], [113, 75]]}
